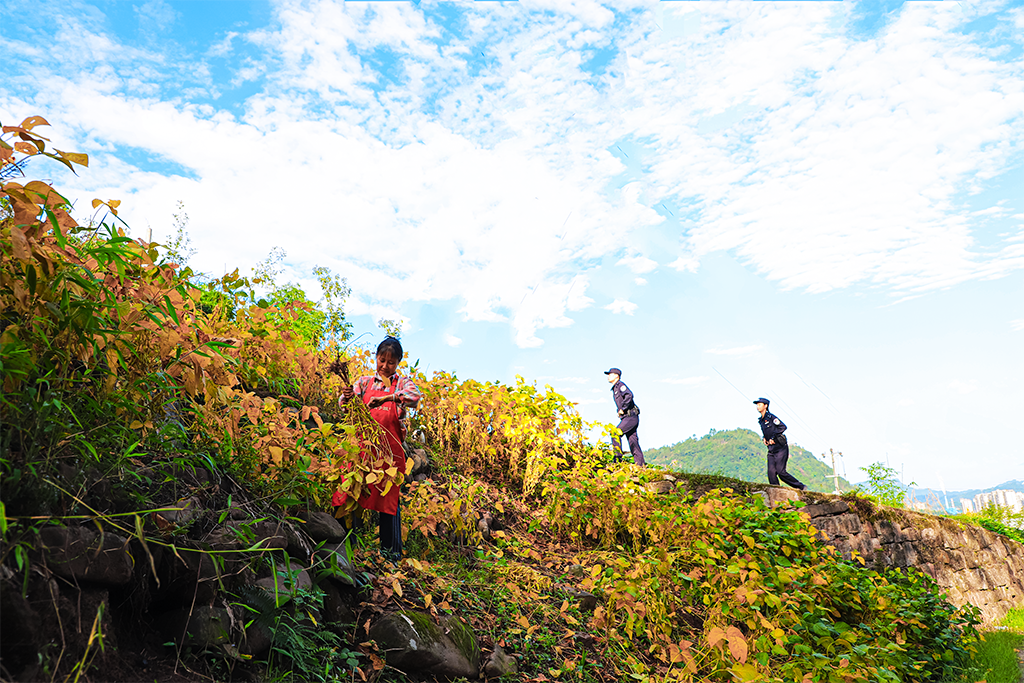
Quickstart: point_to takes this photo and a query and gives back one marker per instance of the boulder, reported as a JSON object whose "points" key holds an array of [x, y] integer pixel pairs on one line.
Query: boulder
{"points": [[235, 535], [287, 584], [336, 609], [256, 638], [499, 663], [299, 546], [421, 461], [21, 627], [323, 527], [775, 495], [190, 576], [82, 554], [203, 627], [331, 560], [185, 511], [416, 645], [660, 487]]}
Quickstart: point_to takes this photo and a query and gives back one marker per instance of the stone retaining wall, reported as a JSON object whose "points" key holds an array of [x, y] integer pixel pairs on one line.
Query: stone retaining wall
{"points": [[971, 564]]}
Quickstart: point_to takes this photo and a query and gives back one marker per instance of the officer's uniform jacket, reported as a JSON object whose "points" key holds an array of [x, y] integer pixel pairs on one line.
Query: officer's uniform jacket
{"points": [[772, 428], [624, 399]]}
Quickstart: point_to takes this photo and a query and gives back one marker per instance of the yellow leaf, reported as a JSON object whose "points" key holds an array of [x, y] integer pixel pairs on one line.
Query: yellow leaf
{"points": [[370, 478], [96, 202], [75, 157], [397, 587], [312, 618], [276, 453], [523, 621], [715, 636], [428, 599], [391, 471], [745, 673], [737, 644], [409, 464], [499, 507], [135, 425]]}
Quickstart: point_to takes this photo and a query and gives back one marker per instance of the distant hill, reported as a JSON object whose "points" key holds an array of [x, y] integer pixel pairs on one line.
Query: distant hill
{"points": [[935, 499], [739, 453]]}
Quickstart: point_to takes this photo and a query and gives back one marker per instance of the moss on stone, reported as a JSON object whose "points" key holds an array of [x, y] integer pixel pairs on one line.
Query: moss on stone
{"points": [[421, 622], [465, 641]]}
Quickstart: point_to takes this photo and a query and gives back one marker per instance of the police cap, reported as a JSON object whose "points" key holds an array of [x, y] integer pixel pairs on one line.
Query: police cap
{"points": [[762, 400], [614, 371]]}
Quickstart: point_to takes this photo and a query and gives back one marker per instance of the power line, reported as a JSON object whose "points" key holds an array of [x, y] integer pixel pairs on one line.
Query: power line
{"points": [[730, 383], [799, 419]]}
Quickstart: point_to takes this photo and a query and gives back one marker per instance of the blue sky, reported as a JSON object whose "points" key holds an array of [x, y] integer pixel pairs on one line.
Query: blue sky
{"points": [[819, 202]]}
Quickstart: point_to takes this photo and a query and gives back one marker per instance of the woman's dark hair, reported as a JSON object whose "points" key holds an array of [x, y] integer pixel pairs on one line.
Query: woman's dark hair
{"points": [[391, 346]]}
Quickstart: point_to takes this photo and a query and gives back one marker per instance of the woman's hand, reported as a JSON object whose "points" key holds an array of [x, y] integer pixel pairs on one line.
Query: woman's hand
{"points": [[379, 401], [347, 393]]}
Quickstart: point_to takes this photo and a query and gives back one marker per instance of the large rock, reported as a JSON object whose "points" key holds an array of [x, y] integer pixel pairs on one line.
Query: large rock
{"points": [[420, 460], [499, 663], [416, 645], [233, 535], [189, 577], [287, 584], [82, 554], [331, 560], [184, 511], [201, 627], [660, 487], [323, 527], [21, 628]]}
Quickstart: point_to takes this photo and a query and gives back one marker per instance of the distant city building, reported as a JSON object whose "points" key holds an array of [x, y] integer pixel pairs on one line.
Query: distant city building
{"points": [[967, 504], [1002, 497]]}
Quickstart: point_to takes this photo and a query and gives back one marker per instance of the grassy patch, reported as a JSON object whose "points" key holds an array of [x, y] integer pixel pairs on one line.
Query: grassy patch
{"points": [[996, 660], [1014, 620]]}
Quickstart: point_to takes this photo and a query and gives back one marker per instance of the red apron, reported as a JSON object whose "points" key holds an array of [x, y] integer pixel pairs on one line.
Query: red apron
{"points": [[386, 416]]}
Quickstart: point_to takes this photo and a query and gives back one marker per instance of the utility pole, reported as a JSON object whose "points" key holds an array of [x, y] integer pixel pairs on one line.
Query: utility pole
{"points": [[834, 477]]}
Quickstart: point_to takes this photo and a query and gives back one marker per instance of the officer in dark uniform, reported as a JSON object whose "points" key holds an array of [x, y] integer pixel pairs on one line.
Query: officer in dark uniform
{"points": [[778, 447], [629, 416]]}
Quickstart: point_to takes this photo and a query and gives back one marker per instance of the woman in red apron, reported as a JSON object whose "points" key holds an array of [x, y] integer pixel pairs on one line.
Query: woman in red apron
{"points": [[387, 395]]}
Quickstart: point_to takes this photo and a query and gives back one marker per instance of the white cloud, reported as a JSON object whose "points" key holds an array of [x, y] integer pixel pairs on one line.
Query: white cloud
{"points": [[638, 264], [621, 306], [686, 264], [640, 281], [964, 386], [452, 340], [840, 161], [735, 351], [851, 169], [1017, 324]]}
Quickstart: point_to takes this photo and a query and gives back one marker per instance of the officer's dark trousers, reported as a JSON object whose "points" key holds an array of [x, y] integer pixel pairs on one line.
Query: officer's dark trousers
{"points": [[777, 459], [628, 427]]}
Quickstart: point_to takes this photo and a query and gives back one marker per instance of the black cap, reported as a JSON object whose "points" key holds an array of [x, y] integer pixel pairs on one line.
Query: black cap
{"points": [[762, 400], [614, 371]]}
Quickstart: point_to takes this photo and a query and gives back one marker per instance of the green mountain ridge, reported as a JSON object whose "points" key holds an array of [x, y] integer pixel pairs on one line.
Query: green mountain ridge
{"points": [[740, 453]]}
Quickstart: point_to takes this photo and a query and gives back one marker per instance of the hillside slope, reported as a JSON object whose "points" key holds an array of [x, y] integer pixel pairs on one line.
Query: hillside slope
{"points": [[739, 453]]}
